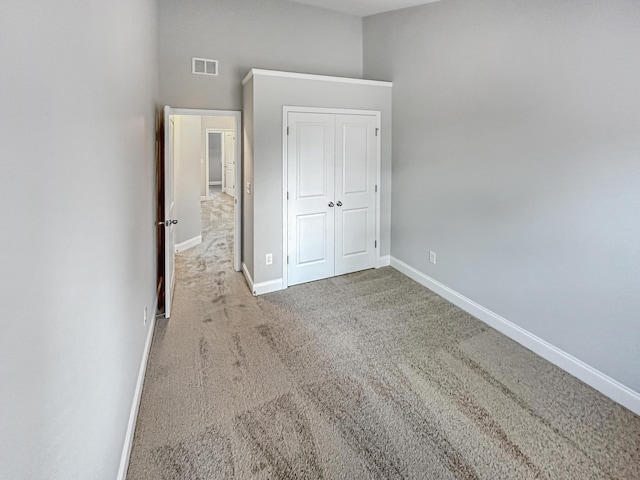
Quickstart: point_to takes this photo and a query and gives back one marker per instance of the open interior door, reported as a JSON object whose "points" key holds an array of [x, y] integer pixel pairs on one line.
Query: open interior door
{"points": [[169, 212]]}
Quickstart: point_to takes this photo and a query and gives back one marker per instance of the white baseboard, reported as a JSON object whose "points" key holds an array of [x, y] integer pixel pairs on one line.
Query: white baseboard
{"points": [[267, 287], [263, 287], [181, 247], [247, 277], [384, 261], [211, 184], [204, 197], [596, 379], [137, 396]]}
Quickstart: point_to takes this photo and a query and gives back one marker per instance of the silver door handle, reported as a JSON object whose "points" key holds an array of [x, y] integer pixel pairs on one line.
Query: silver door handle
{"points": [[168, 223], [331, 204], [339, 203]]}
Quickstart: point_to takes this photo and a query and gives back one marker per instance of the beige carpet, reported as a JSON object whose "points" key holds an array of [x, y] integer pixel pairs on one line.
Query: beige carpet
{"points": [[365, 376]]}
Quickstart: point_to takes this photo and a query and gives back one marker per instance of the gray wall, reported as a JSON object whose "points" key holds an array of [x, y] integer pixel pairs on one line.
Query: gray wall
{"points": [[516, 157], [270, 94], [188, 177], [245, 34], [79, 264], [215, 157]]}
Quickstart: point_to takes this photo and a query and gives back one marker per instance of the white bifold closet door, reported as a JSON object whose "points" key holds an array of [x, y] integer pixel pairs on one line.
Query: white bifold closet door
{"points": [[332, 162]]}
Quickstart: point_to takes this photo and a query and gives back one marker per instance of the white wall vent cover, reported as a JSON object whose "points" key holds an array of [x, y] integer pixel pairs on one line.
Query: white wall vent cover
{"points": [[204, 66]]}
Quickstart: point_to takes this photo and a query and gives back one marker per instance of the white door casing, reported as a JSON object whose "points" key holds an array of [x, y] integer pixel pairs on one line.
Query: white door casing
{"points": [[332, 169], [169, 211]]}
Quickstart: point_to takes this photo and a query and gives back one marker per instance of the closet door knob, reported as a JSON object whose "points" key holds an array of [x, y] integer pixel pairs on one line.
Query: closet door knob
{"points": [[339, 203], [331, 204]]}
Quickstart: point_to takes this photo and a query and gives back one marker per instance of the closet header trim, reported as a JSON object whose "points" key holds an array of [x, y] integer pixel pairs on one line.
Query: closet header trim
{"points": [[306, 76]]}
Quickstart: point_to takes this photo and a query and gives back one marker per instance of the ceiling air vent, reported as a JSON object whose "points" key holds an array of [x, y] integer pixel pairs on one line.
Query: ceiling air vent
{"points": [[204, 66]]}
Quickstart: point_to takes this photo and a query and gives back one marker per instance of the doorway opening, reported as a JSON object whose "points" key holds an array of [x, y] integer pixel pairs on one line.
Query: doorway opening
{"points": [[220, 160], [206, 147]]}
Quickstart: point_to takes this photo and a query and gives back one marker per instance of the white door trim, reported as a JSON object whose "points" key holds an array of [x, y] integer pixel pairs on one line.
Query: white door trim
{"points": [[237, 205], [319, 78], [285, 166]]}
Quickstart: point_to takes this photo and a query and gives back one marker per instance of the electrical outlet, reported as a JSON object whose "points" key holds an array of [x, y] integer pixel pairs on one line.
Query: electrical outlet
{"points": [[269, 259], [145, 315], [432, 257]]}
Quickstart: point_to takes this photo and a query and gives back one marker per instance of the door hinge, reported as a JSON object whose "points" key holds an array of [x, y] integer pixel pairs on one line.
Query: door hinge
{"points": [[377, 130], [287, 195], [287, 130], [376, 188], [287, 259], [376, 244]]}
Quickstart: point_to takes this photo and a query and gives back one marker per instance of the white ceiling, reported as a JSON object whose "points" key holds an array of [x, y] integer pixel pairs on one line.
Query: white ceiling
{"points": [[364, 8]]}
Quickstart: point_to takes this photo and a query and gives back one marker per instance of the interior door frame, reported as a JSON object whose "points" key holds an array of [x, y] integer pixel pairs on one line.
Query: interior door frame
{"points": [[237, 204], [285, 170]]}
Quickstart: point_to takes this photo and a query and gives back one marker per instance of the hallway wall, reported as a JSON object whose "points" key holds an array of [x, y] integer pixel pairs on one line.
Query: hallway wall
{"points": [[79, 265], [215, 157], [188, 176]]}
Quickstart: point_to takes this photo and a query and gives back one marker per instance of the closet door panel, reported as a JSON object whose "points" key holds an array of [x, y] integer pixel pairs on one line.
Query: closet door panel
{"points": [[312, 241], [354, 223], [355, 193], [310, 184]]}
